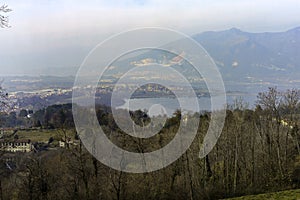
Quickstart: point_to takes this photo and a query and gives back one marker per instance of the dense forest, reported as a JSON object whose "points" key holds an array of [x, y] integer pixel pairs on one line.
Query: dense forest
{"points": [[258, 152]]}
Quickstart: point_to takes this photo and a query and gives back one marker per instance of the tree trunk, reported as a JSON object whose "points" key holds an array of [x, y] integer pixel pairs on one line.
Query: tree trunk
{"points": [[1, 192], [278, 149], [235, 164], [190, 177], [252, 159]]}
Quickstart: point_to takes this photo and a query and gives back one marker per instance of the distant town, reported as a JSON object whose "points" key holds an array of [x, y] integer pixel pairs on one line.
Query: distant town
{"points": [[24, 95]]}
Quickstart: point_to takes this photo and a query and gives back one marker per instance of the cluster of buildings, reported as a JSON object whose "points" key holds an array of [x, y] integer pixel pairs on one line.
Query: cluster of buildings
{"points": [[36, 99], [9, 142], [43, 93], [17, 145], [26, 145]]}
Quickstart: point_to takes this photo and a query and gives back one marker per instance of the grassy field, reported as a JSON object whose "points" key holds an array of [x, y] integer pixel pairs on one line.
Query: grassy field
{"points": [[42, 135], [284, 195]]}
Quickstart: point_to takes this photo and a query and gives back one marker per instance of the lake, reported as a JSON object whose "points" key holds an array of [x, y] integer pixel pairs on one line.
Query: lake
{"points": [[160, 106]]}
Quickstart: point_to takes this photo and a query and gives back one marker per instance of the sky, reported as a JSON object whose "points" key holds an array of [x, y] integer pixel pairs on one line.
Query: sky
{"points": [[54, 36]]}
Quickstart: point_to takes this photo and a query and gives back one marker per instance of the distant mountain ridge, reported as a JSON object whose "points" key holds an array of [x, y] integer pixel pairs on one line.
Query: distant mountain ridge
{"points": [[248, 62], [242, 53]]}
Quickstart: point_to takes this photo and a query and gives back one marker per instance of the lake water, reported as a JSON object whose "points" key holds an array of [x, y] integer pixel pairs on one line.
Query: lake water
{"points": [[157, 106]]}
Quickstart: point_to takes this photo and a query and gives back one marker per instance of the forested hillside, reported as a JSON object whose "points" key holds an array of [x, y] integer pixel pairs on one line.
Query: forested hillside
{"points": [[257, 152]]}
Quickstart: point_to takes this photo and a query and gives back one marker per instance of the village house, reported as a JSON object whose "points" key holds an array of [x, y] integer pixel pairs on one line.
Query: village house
{"points": [[17, 145], [64, 144]]}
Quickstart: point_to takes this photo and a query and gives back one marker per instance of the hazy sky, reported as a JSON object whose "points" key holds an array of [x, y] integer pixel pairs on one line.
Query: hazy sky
{"points": [[54, 36]]}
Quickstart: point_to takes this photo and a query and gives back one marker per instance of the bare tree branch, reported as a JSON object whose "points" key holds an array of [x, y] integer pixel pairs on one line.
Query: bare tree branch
{"points": [[4, 20]]}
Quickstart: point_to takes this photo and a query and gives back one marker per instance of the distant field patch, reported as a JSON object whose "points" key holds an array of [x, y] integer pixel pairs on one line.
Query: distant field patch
{"points": [[284, 195]]}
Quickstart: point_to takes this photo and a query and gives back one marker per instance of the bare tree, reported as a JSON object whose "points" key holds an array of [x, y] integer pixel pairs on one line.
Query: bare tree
{"points": [[4, 20], [271, 101], [3, 99], [291, 99], [3, 105]]}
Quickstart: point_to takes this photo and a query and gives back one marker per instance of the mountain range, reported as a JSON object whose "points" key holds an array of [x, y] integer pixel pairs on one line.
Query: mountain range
{"points": [[248, 62], [238, 53]]}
